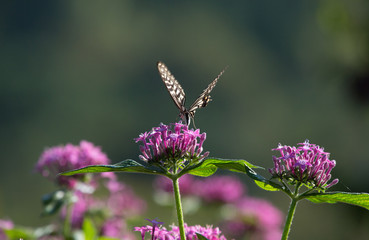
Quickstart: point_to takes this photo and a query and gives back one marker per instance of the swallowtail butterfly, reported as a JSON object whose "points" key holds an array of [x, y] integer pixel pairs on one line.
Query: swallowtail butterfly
{"points": [[176, 92]]}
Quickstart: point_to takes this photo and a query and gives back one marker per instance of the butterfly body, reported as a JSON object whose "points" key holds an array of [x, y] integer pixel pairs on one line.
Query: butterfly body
{"points": [[178, 95]]}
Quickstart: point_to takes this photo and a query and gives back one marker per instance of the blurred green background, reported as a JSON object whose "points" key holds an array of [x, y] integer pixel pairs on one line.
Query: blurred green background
{"points": [[73, 70]]}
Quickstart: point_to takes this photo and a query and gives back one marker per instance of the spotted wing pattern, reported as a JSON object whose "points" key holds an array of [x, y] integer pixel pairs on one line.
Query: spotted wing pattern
{"points": [[204, 98], [176, 92]]}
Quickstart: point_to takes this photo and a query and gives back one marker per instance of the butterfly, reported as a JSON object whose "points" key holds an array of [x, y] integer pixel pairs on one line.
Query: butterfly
{"points": [[176, 92]]}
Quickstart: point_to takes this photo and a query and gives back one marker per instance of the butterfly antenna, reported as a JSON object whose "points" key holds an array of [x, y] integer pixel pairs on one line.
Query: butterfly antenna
{"points": [[346, 187]]}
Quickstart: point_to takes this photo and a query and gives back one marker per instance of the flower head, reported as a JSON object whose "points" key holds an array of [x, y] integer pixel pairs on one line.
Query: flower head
{"points": [[172, 145], [223, 189], [161, 233], [82, 203], [5, 225], [63, 158], [122, 201], [255, 218], [116, 228], [186, 184], [307, 164]]}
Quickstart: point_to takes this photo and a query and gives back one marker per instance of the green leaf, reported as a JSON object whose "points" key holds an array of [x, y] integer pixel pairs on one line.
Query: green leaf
{"points": [[89, 229], [358, 199], [202, 171], [107, 238], [124, 166], [210, 165], [266, 186], [262, 182], [201, 237], [18, 233]]}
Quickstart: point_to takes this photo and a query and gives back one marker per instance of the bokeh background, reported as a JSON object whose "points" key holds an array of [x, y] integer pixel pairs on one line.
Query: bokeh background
{"points": [[73, 70]]}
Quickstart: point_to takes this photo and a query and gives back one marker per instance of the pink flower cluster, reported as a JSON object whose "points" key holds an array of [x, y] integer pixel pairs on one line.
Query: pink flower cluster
{"points": [[112, 210], [307, 164], [5, 225], [221, 189], [120, 205], [161, 233], [254, 217], [122, 200], [63, 158], [170, 143], [246, 216]]}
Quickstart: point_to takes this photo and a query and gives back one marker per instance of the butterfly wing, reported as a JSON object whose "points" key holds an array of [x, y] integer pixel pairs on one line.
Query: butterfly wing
{"points": [[204, 98], [174, 88]]}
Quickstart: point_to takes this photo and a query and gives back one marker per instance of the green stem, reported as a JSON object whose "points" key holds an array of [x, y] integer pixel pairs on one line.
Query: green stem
{"points": [[177, 197], [291, 212], [67, 221]]}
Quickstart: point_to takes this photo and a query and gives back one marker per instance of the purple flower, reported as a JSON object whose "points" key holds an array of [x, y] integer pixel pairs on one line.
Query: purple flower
{"points": [[219, 189], [82, 203], [161, 233], [255, 218], [115, 209], [121, 204], [224, 189], [112, 227], [265, 213], [122, 200], [307, 164], [116, 227], [155, 222], [186, 184], [5, 225], [63, 158], [171, 146]]}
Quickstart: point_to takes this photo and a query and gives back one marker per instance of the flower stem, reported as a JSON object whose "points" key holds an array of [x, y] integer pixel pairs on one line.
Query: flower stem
{"points": [[67, 221], [177, 197], [291, 212]]}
